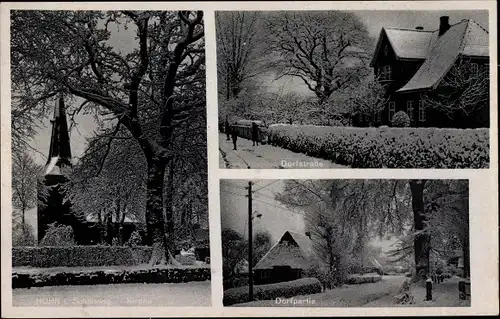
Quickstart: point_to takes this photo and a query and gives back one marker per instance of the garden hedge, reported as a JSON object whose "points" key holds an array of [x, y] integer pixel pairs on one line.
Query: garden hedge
{"points": [[387, 147], [98, 277], [303, 286], [80, 256], [363, 279]]}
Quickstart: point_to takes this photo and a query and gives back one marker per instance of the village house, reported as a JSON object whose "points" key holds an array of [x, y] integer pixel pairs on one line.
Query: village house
{"points": [[412, 64], [287, 260]]}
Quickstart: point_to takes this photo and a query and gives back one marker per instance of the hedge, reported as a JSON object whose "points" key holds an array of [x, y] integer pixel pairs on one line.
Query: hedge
{"points": [[303, 286], [363, 279], [387, 147], [98, 277], [80, 256]]}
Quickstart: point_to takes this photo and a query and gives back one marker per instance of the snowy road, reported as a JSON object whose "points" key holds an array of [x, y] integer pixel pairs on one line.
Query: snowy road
{"points": [[347, 296], [182, 294], [265, 156]]}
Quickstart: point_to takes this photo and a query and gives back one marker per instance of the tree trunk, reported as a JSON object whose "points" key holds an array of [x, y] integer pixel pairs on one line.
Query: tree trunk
{"points": [[421, 242], [169, 214], [465, 253], [155, 222], [109, 228]]}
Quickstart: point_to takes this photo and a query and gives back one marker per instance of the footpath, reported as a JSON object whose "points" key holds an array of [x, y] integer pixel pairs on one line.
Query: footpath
{"points": [[265, 156]]}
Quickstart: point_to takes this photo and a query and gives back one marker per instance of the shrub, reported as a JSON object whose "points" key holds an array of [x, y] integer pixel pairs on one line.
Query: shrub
{"points": [[404, 295], [79, 256], [22, 235], [100, 277], [400, 119], [58, 235], [135, 239], [303, 286], [363, 279], [388, 148]]}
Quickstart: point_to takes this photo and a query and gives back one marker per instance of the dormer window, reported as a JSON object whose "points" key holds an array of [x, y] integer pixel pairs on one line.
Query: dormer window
{"points": [[386, 73]]}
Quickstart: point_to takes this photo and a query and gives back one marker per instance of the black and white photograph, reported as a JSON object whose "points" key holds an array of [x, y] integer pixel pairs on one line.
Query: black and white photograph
{"points": [[109, 159], [353, 89], [345, 243]]}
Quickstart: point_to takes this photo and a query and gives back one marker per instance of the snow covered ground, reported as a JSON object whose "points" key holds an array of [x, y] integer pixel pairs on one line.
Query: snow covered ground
{"points": [[444, 294], [265, 156], [181, 294], [346, 296]]}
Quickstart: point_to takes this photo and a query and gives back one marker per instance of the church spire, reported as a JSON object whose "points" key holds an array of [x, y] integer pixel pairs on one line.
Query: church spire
{"points": [[60, 150]]}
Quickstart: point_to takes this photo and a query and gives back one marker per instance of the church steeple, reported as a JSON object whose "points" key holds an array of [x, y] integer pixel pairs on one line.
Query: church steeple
{"points": [[59, 158]]}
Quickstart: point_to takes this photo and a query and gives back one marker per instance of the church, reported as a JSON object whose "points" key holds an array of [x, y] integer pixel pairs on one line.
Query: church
{"points": [[56, 208]]}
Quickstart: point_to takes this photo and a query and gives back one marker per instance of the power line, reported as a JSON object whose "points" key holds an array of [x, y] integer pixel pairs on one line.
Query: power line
{"points": [[224, 190], [233, 184], [258, 189]]}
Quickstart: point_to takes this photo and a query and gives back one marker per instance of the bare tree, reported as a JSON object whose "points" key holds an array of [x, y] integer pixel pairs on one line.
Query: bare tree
{"points": [[25, 175], [239, 49], [150, 90], [327, 50], [463, 92], [367, 99]]}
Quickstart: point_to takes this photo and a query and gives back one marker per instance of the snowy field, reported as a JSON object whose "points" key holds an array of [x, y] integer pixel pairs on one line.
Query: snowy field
{"points": [[265, 156], [181, 294]]}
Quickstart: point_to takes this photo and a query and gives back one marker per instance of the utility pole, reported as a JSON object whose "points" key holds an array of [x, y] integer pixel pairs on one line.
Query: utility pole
{"points": [[250, 252]]}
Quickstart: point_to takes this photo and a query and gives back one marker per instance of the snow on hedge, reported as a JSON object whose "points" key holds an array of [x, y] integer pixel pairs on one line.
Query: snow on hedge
{"points": [[303, 286], [387, 147]]}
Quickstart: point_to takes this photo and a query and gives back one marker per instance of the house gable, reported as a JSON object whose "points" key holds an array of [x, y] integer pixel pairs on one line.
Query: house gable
{"points": [[465, 38]]}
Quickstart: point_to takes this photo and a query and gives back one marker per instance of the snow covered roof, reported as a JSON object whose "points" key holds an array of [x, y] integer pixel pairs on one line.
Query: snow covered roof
{"points": [[57, 167], [292, 250], [439, 53], [464, 38], [410, 44]]}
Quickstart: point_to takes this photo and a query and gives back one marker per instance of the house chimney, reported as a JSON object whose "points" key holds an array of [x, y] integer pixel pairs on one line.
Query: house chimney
{"points": [[308, 234], [444, 24], [419, 28]]}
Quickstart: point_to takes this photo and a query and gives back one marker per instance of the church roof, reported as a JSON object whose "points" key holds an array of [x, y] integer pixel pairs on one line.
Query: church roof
{"points": [[59, 158]]}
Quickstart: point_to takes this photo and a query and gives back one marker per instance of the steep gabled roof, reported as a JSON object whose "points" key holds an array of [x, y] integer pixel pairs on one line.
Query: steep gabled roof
{"points": [[59, 158], [406, 43], [292, 250], [464, 38]]}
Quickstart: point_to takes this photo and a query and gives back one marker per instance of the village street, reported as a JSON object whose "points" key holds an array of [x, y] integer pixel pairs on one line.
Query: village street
{"points": [[264, 156], [166, 294], [346, 296]]}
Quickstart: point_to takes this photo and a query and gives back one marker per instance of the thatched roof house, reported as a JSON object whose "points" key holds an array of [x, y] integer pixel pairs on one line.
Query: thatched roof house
{"points": [[286, 260]]}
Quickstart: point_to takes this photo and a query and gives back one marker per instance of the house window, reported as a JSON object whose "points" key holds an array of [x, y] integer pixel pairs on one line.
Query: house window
{"points": [[386, 73], [474, 67], [386, 50], [421, 111], [409, 110], [392, 110]]}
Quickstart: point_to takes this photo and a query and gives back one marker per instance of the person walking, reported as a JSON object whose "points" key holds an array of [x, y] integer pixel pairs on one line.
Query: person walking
{"points": [[234, 135], [255, 134], [227, 128]]}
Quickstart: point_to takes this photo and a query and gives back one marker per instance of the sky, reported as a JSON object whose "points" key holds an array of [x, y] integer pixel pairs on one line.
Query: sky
{"points": [[276, 219]]}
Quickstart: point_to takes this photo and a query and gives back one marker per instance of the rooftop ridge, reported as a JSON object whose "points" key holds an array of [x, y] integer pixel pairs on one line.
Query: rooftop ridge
{"points": [[408, 29], [432, 31]]}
